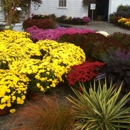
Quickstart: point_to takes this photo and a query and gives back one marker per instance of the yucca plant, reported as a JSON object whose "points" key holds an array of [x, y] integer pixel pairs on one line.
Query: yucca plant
{"points": [[100, 108]]}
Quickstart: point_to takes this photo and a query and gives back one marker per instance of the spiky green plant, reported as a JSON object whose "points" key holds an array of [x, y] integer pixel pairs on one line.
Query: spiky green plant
{"points": [[100, 108]]}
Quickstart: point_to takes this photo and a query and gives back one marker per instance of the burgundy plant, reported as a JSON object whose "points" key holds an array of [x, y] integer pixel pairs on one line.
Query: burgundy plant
{"points": [[40, 23], [121, 38]]}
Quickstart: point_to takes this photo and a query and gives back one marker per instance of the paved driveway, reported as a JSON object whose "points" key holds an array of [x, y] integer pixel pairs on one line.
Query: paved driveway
{"points": [[102, 26]]}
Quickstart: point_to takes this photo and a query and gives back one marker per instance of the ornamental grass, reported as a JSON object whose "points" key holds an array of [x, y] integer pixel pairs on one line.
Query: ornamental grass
{"points": [[45, 114]]}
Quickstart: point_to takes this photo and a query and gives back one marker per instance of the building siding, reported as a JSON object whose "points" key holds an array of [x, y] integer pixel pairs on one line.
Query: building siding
{"points": [[74, 8], [113, 4], [2, 17]]}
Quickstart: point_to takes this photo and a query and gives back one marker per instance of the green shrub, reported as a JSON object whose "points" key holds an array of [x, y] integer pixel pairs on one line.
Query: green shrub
{"points": [[123, 8]]}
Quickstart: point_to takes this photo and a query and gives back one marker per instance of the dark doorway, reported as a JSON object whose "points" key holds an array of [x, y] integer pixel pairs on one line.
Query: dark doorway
{"points": [[101, 11]]}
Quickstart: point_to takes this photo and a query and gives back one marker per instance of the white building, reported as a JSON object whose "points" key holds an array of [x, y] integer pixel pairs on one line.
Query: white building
{"points": [[73, 8]]}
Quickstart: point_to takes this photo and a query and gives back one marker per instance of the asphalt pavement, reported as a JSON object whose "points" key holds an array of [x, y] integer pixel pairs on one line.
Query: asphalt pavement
{"points": [[108, 27]]}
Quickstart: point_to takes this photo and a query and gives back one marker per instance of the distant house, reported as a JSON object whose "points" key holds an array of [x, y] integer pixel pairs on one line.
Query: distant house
{"points": [[74, 8]]}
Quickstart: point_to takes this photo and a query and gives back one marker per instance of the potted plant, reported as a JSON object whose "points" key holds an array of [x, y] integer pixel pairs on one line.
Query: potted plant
{"points": [[13, 89]]}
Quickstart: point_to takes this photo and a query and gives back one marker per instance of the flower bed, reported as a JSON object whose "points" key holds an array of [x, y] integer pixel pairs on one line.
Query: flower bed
{"points": [[121, 17], [64, 19], [47, 62], [73, 20], [53, 34], [96, 44], [44, 64], [124, 22]]}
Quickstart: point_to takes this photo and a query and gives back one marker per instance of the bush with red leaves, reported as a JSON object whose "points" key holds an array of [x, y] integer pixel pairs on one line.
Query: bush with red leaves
{"points": [[40, 23]]}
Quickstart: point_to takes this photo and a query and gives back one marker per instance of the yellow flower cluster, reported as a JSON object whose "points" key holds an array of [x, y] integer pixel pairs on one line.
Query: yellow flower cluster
{"points": [[49, 71], [127, 23], [22, 56], [13, 88], [9, 36], [124, 21], [47, 45], [16, 46]]}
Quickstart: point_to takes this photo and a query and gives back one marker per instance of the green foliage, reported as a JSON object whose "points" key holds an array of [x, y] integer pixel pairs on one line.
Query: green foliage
{"points": [[123, 8], [100, 108], [113, 18]]}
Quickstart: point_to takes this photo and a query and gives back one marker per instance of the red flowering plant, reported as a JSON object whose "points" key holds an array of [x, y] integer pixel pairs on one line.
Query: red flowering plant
{"points": [[85, 72]]}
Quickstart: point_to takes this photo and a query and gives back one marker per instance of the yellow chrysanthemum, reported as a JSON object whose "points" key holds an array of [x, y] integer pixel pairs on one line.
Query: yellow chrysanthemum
{"points": [[12, 110]]}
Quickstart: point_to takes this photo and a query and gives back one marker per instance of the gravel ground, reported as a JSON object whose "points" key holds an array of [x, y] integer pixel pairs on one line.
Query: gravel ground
{"points": [[3, 120]]}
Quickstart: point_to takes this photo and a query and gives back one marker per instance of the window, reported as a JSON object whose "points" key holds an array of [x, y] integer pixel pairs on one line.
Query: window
{"points": [[62, 3]]}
